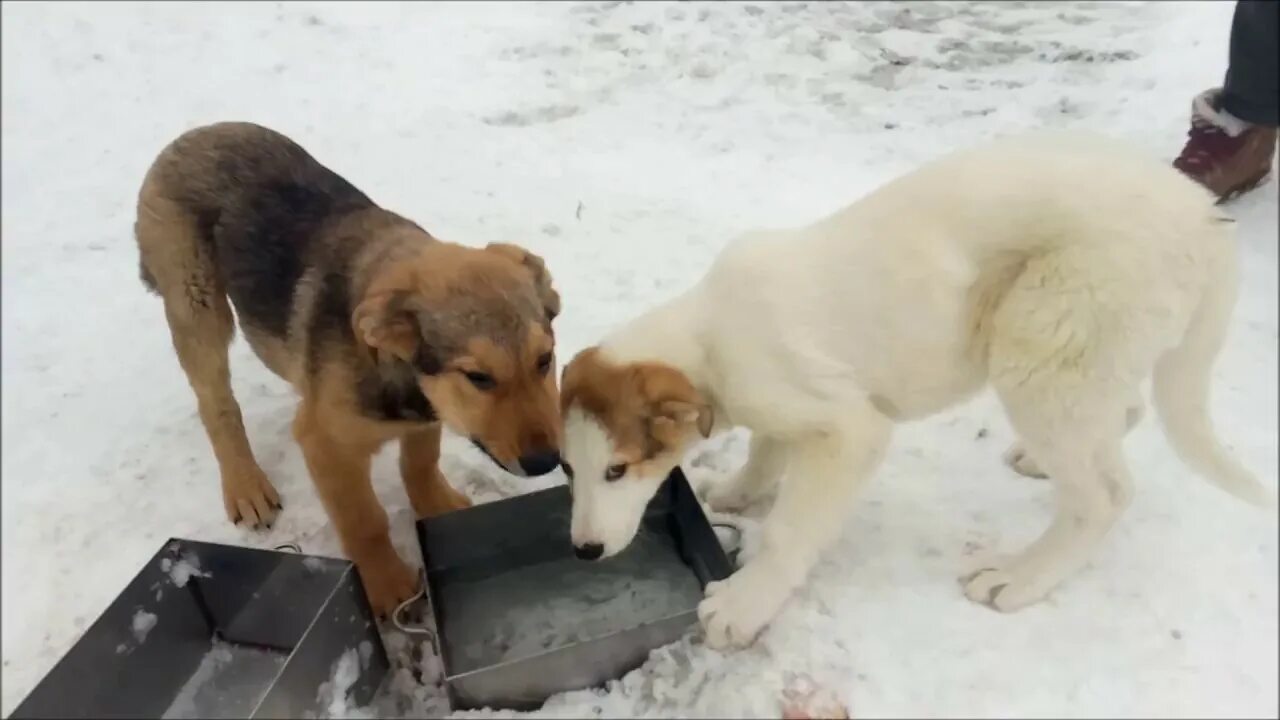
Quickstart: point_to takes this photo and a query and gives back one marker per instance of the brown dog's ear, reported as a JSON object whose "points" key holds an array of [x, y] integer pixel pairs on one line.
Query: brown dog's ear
{"points": [[384, 321], [673, 401], [541, 278]]}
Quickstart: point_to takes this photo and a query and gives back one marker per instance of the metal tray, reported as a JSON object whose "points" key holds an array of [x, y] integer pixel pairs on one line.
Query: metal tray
{"points": [[218, 631], [518, 618]]}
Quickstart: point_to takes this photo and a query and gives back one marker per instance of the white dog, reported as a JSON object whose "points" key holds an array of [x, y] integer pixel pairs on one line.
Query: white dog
{"points": [[1059, 268]]}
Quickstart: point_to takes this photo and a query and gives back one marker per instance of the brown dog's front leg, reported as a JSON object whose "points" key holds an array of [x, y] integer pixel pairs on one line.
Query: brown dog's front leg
{"points": [[340, 471], [429, 493]]}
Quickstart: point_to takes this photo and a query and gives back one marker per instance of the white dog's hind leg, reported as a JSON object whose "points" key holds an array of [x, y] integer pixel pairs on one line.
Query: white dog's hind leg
{"points": [[1021, 462], [1091, 494], [1065, 356], [766, 461], [814, 499]]}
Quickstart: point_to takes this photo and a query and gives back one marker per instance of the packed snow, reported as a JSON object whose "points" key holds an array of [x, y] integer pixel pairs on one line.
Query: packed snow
{"points": [[333, 693], [625, 143], [181, 572], [142, 623]]}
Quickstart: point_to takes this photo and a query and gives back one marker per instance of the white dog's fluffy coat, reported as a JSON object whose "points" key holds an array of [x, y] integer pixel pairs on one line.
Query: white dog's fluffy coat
{"points": [[1060, 269]]}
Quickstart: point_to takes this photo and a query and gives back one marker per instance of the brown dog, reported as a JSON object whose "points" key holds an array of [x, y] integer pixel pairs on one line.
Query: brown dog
{"points": [[384, 331]]}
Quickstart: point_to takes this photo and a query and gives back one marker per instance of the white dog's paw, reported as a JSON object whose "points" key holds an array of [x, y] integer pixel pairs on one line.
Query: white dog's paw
{"points": [[1017, 458], [735, 610], [729, 496], [1000, 589]]}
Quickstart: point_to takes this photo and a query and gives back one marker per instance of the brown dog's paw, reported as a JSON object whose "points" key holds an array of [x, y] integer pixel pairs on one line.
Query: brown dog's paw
{"points": [[436, 497], [452, 500], [250, 498], [388, 583]]}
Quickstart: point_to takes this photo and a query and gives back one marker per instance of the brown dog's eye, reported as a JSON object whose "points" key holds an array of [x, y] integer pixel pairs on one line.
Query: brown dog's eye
{"points": [[544, 363], [613, 472], [482, 381]]}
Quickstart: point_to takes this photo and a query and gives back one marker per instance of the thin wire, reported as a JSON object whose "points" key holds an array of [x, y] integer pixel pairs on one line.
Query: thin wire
{"points": [[395, 617]]}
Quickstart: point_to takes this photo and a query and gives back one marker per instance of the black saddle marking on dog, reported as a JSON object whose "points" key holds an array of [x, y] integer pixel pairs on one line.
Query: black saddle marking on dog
{"points": [[392, 394]]}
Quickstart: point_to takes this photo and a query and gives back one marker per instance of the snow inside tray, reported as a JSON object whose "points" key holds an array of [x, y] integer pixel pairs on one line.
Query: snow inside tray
{"points": [[513, 615], [228, 682], [520, 618], [215, 631]]}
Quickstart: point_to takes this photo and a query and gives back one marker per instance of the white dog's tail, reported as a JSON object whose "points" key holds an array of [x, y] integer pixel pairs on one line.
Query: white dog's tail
{"points": [[1181, 385]]}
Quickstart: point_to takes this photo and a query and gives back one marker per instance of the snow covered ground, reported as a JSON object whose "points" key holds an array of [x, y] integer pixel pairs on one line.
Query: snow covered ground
{"points": [[625, 143]]}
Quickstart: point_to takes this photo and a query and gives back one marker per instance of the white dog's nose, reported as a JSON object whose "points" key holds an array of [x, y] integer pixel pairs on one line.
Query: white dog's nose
{"points": [[588, 551]]}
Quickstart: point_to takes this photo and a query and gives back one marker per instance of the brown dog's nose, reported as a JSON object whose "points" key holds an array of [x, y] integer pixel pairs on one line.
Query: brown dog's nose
{"points": [[540, 463]]}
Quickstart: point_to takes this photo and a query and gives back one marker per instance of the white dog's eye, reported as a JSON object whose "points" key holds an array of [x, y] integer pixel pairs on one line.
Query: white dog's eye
{"points": [[613, 472]]}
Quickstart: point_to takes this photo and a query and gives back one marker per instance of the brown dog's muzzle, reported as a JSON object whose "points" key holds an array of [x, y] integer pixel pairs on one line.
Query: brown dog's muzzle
{"points": [[540, 450], [530, 445], [530, 464], [540, 463]]}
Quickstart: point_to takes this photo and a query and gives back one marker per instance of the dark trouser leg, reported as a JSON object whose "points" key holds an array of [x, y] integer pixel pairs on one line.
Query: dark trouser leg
{"points": [[1250, 91]]}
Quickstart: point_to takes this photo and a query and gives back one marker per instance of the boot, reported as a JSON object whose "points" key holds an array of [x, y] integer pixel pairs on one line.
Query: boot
{"points": [[1224, 153]]}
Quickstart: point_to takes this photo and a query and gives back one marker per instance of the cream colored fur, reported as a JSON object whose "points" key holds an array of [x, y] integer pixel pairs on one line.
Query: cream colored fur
{"points": [[1062, 270]]}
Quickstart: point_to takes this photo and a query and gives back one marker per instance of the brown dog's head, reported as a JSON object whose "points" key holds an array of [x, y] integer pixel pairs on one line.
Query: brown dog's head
{"points": [[476, 325], [626, 427]]}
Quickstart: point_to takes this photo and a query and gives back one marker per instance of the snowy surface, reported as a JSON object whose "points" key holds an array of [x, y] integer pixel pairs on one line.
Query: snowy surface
{"points": [[625, 143]]}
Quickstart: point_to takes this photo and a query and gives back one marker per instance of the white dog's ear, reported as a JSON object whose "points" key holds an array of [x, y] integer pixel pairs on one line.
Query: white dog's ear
{"points": [[673, 402], [686, 412]]}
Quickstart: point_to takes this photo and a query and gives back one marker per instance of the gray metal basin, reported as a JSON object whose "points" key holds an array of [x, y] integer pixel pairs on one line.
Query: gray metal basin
{"points": [[519, 618], [216, 631]]}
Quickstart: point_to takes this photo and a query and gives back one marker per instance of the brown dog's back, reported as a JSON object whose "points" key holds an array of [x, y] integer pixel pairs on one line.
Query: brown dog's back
{"points": [[238, 215], [237, 209]]}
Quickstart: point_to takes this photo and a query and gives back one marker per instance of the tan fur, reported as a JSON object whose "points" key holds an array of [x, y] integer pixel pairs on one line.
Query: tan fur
{"points": [[202, 326], [429, 493], [412, 299], [646, 408], [522, 412], [338, 448]]}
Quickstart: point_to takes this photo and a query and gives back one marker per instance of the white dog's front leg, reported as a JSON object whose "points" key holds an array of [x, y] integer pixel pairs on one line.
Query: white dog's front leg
{"points": [[766, 461], [814, 499]]}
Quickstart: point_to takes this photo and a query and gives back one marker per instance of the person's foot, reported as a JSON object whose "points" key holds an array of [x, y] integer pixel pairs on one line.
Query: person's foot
{"points": [[1224, 153]]}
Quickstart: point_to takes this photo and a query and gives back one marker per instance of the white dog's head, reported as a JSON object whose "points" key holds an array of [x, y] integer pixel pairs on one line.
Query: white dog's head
{"points": [[626, 427]]}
